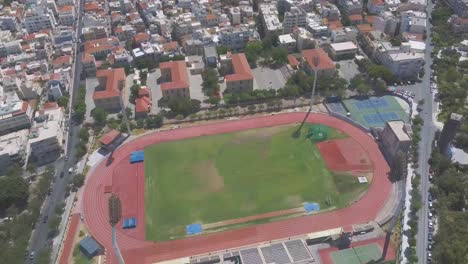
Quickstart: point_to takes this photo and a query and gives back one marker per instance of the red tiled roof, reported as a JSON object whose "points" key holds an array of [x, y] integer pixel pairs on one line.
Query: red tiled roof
{"points": [[141, 37], [91, 6], [179, 76], [378, 2], [65, 9], [371, 19], [143, 92], [109, 137], [335, 25], [66, 59], [50, 105], [94, 46], [325, 62], [240, 67], [412, 36], [113, 77], [356, 17], [142, 105], [30, 37], [211, 17], [292, 60], [364, 28], [171, 46], [87, 57]]}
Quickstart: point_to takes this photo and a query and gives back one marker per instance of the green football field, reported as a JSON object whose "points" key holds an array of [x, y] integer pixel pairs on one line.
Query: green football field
{"points": [[227, 176]]}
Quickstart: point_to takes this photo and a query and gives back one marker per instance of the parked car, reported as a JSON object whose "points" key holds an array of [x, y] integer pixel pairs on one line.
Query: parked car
{"points": [[45, 219], [429, 237], [31, 255]]}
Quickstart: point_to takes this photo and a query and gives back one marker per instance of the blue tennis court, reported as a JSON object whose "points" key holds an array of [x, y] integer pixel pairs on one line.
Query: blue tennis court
{"points": [[337, 108], [371, 103], [380, 118]]}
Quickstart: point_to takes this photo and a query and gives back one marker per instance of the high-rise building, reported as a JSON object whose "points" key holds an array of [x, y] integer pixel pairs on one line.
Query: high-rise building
{"points": [[39, 18], [448, 132]]}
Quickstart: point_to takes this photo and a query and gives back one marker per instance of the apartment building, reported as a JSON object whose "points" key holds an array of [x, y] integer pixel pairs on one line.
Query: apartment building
{"points": [[288, 42], [295, 17], [270, 19], [235, 38], [235, 15], [66, 15], [241, 77], [38, 18], [8, 22], [415, 5], [413, 22], [15, 114], [304, 39], [325, 65], [400, 60], [350, 7], [175, 79], [107, 93], [395, 137], [458, 25], [47, 135], [375, 7], [89, 65], [343, 50], [100, 48], [13, 149]]}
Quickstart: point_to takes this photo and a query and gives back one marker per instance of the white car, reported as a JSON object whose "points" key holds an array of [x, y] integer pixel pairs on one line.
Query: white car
{"points": [[430, 205]]}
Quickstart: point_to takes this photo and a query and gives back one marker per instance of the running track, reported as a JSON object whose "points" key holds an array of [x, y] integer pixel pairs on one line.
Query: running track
{"points": [[138, 251]]}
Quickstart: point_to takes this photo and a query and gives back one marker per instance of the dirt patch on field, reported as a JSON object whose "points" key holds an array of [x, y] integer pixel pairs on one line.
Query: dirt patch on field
{"points": [[207, 173], [294, 200], [255, 134]]}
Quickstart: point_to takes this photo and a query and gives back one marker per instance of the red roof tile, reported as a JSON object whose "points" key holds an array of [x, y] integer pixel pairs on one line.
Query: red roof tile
{"points": [[50, 105], [292, 60], [378, 2], [112, 78], [356, 17], [109, 137], [371, 19], [65, 9], [91, 7], [143, 92], [179, 76], [364, 28], [142, 105], [325, 62], [171, 46], [240, 67], [141, 37], [66, 59]]}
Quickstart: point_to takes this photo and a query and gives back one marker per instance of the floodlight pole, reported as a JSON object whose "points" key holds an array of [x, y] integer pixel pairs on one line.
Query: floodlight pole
{"points": [[115, 214], [312, 95]]}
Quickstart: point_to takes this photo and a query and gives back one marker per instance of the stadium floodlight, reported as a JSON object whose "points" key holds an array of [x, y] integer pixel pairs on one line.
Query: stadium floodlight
{"points": [[316, 62]]}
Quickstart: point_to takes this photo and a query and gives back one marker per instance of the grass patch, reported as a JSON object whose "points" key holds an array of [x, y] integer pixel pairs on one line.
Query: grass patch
{"points": [[215, 178], [80, 258]]}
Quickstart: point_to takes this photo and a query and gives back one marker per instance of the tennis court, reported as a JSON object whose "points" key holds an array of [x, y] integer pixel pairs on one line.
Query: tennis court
{"points": [[375, 111], [357, 255]]}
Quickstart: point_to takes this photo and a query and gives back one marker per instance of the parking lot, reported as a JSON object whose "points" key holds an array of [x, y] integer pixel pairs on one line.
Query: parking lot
{"points": [[347, 69], [267, 78]]}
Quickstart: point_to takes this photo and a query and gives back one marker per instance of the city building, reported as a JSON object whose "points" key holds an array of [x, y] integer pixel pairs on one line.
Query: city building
{"points": [[38, 18], [210, 56], [343, 50], [143, 103], [413, 22], [396, 137], [234, 15], [100, 48], [448, 133], [404, 63], [350, 7], [111, 140], [304, 39], [15, 114], [240, 78], [325, 64], [270, 19], [458, 25], [288, 42], [89, 65], [13, 149], [66, 15], [415, 5], [107, 93], [175, 80], [46, 138], [375, 7], [295, 17], [235, 38]]}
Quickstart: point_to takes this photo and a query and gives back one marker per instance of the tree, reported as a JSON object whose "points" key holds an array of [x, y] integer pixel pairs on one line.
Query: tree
{"points": [[44, 256], [99, 116], [399, 168], [13, 191], [252, 51], [134, 93], [140, 123], [84, 134], [363, 89], [129, 112], [78, 180], [183, 106], [221, 50], [210, 85], [279, 55], [154, 121], [63, 101], [381, 72]]}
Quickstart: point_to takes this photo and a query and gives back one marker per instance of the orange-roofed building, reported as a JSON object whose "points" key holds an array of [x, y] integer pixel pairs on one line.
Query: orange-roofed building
{"points": [[142, 107], [171, 46], [140, 38], [334, 25], [356, 19], [62, 62], [89, 65], [371, 19], [111, 140], [325, 64], [364, 28], [241, 79], [100, 47], [175, 79], [292, 60], [107, 93], [91, 7]]}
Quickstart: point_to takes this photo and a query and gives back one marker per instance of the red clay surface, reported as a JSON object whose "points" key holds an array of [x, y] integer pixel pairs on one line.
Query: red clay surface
{"points": [[344, 155], [68, 243], [129, 186], [325, 254]]}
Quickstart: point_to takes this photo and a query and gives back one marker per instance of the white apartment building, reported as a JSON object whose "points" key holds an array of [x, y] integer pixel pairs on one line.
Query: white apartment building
{"points": [[288, 42], [235, 38], [270, 20], [15, 114], [38, 18], [8, 23], [304, 39], [187, 4], [46, 137], [343, 50], [350, 7], [13, 149], [403, 62], [386, 23], [235, 15], [415, 5], [413, 22], [66, 15], [295, 17]]}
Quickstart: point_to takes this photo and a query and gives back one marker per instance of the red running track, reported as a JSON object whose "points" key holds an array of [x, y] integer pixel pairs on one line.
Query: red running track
{"points": [[139, 251]]}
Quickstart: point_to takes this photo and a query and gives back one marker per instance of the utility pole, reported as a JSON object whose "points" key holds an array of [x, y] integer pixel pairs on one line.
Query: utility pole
{"points": [[115, 214]]}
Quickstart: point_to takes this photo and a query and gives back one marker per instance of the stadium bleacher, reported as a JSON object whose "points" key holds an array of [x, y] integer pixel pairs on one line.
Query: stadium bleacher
{"points": [[251, 256], [275, 253], [297, 250]]}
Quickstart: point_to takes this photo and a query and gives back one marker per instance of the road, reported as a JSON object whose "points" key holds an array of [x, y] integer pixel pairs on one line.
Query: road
{"points": [[40, 237]]}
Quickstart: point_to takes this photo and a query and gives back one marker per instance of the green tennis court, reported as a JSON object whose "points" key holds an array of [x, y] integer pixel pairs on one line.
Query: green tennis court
{"points": [[357, 255]]}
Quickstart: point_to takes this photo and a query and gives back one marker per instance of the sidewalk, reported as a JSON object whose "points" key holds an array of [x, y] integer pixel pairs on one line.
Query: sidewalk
{"points": [[406, 212]]}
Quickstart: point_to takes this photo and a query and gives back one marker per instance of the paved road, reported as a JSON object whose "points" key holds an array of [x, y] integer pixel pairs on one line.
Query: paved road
{"points": [[40, 237], [427, 135]]}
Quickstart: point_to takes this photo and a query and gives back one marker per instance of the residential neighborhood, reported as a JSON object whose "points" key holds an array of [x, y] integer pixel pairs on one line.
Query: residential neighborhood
{"points": [[81, 79]]}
